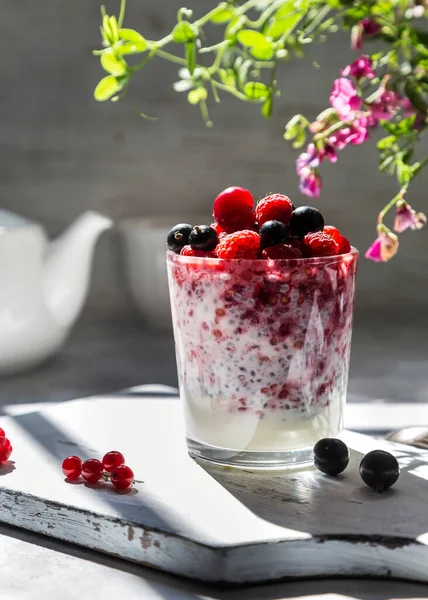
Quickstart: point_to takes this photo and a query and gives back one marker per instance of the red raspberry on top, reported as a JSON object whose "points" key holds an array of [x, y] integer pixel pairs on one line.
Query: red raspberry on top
{"points": [[281, 251], [189, 251], [276, 207], [219, 230], [234, 209], [242, 244], [320, 244], [341, 241]]}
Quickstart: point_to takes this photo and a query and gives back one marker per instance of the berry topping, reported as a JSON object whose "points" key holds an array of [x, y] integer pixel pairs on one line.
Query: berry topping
{"points": [[331, 456], [219, 230], [178, 237], [72, 467], [242, 244], [5, 449], [341, 241], [189, 251], [379, 470], [276, 207], [234, 209], [112, 459], [281, 251], [92, 470], [122, 477], [320, 244], [272, 233], [304, 220], [203, 237]]}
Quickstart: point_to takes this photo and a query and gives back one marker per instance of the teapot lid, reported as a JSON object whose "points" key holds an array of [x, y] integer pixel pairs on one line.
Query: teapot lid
{"points": [[9, 220]]}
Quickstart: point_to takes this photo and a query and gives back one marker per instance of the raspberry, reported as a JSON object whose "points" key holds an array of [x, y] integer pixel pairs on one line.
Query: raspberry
{"points": [[341, 241], [189, 251], [320, 244], [275, 207], [219, 230], [281, 251], [234, 209], [242, 244]]}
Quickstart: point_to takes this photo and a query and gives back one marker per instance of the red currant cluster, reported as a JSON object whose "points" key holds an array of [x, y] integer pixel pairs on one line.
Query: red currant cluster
{"points": [[5, 447], [111, 468]]}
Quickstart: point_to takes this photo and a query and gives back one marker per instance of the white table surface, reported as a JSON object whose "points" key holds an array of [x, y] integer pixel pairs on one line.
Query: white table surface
{"points": [[33, 566]]}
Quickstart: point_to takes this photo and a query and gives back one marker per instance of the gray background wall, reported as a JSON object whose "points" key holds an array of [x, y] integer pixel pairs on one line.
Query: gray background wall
{"points": [[62, 153]]}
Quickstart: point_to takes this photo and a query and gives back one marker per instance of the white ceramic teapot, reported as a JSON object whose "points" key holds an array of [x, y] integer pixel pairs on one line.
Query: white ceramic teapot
{"points": [[42, 286]]}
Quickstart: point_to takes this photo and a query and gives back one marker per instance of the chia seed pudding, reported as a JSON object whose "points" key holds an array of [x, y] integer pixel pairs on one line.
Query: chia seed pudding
{"points": [[262, 348]]}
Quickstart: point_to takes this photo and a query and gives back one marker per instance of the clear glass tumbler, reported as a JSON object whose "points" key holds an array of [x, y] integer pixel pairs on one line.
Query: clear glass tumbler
{"points": [[262, 352]]}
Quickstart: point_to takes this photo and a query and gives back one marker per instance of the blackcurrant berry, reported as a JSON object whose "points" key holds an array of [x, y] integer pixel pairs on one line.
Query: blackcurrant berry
{"points": [[272, 233], [203, 237], [331, 456], [304, 220], [379, 470], [178, 237]]}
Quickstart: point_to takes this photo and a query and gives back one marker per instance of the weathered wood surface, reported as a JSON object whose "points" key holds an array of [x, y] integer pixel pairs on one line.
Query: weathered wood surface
{"points": [[210, 523]]}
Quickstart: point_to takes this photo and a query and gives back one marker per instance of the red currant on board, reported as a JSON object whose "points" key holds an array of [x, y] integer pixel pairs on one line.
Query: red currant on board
{"points": [[72, 467], [2, 433], [92, 470], [5, 449], [122, 477], [112, 459]]}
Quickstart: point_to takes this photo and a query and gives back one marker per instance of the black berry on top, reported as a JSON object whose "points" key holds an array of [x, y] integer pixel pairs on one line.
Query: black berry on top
{"points": [[331, 456], [272, 233], [203, 237], [379, 470], [178, 237], [304, 220]]}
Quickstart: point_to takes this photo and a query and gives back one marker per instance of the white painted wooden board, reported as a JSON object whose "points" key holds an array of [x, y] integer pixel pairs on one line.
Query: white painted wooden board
{"points": [[206, 522]]}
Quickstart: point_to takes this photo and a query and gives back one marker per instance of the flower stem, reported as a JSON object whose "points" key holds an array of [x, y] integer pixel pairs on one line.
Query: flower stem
{"points": [[122, 13], [391, 204]]}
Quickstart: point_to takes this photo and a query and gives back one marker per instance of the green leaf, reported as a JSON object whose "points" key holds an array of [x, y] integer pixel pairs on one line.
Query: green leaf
{"points": [[222, 16], [124, 48], [233, 27], [280, 26], [256, 90], [403, 173], [130, 35], [114, 28], [112, 65], [106, 88], [260, 47], [267, 107], [198, 95], [300, 139], [106, 30], [242, 70], [184, 32], [253, 39], [191, 56], [415, 95], [386, 142]]}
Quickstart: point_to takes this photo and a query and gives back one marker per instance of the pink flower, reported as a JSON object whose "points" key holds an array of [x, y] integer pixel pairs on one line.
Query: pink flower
{"points": [[310, 182], [361, 67], [344, 98], [407, 218], [355, 134], [385, 105], [328, 151], [384, 247], [363, 29], [409, 110], [310, 158]]}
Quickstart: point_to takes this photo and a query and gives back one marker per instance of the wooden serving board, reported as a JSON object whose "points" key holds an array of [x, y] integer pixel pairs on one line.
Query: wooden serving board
{"points": [[210, 523]]}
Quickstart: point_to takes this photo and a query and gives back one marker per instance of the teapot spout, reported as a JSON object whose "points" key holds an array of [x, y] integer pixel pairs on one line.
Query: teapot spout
{"points": [[67, 266]]}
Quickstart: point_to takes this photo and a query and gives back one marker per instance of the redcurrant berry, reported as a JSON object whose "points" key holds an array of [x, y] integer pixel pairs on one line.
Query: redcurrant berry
{"points": [[92, 470], [112, 460], [72, 467], [234, 209], [122, 477], [5, 449], [2, 433]]}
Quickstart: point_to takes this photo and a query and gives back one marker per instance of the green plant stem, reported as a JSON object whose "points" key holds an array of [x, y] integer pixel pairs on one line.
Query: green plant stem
{"points": [[121, 13], [391, 204], [234, 92], [171, 57]]}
